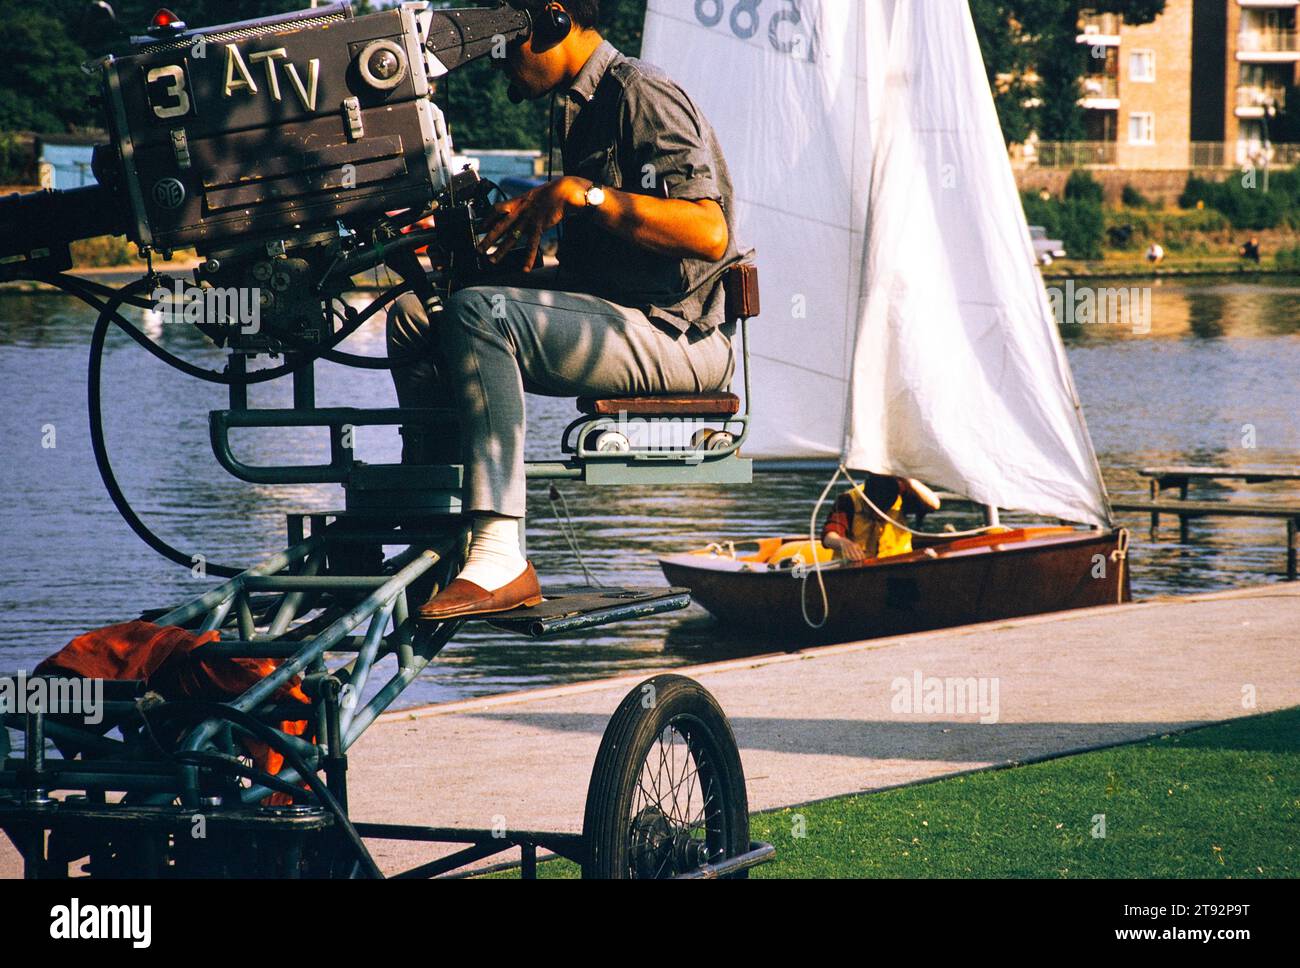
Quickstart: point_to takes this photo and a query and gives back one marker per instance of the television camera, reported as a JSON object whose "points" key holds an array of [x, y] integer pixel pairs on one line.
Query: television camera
{"points": [[290, 152]]}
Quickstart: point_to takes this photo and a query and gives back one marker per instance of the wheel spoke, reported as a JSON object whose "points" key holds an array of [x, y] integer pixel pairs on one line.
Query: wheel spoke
{"points": [[672, 782], [677, 818]]}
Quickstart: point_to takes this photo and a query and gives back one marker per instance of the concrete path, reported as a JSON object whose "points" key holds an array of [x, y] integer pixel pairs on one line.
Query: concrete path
{"points": [[833, 720]]}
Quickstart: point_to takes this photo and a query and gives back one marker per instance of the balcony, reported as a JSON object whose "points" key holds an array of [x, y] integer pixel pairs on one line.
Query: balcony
{"points": [[1099, 29], [1255, 101], [1100, 92], [1268, 46]]}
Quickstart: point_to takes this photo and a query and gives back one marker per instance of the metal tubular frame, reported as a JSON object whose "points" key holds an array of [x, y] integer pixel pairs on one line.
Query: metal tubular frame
{"points": [[637, 466], [353, 615], [329, 592]]}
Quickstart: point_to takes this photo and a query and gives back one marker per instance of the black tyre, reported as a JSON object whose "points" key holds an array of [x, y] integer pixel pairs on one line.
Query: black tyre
{"points": [[667, 792]]}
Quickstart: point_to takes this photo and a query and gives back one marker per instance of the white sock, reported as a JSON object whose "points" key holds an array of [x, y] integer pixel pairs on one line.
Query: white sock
{"points": [[494, 556]]}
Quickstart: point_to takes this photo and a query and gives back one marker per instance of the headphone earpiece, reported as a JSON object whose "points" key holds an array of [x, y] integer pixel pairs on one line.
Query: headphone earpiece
{"points": [[552, 26]]}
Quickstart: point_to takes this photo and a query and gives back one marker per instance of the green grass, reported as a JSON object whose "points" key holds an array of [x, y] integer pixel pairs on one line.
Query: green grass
{"points": [[1223, 801]]}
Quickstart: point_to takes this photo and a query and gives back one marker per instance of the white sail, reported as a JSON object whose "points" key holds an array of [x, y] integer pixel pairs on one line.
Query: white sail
{"points": [[789, 89], [933, 353], [959, 375]]}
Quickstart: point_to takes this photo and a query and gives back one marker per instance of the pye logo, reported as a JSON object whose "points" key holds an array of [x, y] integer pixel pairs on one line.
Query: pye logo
{"points": [[102, 922]]}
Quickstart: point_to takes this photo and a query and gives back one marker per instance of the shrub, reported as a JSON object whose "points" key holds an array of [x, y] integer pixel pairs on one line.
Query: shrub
{"points": [[104, 250], [1083, 187], [15, 160], [1077, 222], [1081, 228], [1133, 198], [1040, 211], [1245, 203], [1286, 180], [1191, 231]]}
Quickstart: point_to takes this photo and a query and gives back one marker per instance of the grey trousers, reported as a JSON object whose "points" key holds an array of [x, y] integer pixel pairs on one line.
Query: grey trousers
{"points": [[482, 348]]}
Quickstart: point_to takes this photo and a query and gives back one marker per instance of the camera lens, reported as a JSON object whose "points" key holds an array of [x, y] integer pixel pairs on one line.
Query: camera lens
{"points": [[383, 64]]}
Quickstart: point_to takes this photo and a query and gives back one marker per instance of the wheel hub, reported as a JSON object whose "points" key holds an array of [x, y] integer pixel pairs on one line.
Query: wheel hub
{"points": [[657, 848]]}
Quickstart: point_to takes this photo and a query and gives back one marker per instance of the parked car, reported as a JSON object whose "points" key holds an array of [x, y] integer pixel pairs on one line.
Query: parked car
{"points": [[1045, 250]]}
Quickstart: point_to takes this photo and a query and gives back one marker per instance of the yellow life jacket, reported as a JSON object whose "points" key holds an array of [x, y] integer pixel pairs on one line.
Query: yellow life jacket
{"points": [[806, 553], [880, 539]]}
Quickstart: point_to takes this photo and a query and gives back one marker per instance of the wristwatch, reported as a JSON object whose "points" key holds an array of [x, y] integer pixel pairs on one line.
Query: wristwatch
{"points": [[595, 196]]}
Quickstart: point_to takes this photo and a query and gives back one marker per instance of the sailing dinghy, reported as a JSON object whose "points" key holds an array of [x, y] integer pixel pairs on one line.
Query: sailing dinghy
{"points": [[911, 335]]}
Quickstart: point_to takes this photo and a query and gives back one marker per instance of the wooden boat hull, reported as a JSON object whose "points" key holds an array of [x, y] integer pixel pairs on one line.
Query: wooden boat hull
{"points": [[948, 582]]}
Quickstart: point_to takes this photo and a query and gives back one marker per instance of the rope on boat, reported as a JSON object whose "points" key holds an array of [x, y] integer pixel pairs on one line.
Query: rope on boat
{"points": [[968, 533], [817, 565], [812, 542], [1120, 557]]}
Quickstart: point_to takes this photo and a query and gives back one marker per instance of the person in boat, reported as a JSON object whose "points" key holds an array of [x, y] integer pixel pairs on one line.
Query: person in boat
{"points": [[636, 305], [855, 532]]}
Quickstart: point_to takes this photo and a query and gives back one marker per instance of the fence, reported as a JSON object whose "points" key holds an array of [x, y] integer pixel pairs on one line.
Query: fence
{"points": [[1200, 154], [1069, 154]]}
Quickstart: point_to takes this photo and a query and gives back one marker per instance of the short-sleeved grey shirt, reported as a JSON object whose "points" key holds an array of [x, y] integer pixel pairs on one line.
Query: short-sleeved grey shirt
{"points": [[627, 125]]}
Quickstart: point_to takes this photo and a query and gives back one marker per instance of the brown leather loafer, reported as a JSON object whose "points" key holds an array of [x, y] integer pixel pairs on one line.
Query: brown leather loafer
{"points": [[462, 598]]}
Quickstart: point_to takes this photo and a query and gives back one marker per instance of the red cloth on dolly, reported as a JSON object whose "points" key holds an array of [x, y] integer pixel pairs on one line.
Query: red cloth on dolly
{"points": [[170, 661]]}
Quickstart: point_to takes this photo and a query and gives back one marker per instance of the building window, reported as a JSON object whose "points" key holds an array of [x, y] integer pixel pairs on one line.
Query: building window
{"points": [[1141, 128], [1142, 65]]}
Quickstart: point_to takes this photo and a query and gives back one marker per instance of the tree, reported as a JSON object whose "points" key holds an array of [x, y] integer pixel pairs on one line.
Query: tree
{"points": [[622, 23], [474, 99], [1008, 59], [42, 86], [1018, 37], [42, 48]]}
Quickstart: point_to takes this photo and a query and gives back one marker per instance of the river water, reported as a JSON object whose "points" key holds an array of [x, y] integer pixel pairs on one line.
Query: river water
{"points": [[1214, 379]]}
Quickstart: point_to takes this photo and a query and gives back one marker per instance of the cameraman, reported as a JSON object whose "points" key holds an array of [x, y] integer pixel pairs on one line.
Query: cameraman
{"points": [[637, 306]]}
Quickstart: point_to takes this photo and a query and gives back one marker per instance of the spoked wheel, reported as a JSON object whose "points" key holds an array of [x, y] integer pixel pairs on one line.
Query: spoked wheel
{"points": [[667, 792]]}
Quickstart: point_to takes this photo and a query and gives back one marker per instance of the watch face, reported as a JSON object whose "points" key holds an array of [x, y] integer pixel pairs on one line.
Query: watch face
{"points": [[595, 195]]}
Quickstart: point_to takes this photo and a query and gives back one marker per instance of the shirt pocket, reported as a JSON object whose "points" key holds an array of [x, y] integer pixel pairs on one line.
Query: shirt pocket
{"points": [[599, 166]]}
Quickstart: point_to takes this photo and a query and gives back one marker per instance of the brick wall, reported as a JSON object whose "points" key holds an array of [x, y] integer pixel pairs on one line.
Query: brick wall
{"points": [[1158, 185]]}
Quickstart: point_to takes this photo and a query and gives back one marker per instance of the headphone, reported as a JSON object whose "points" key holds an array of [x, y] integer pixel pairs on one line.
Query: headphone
{"points": [[551, 26]]}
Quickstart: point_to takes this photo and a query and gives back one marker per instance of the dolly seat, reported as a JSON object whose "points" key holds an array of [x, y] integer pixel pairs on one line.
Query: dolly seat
{"points": [[606, 449], [742, 302], [667, 405]]}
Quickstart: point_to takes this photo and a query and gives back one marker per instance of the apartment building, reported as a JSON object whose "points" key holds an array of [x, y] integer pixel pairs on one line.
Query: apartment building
{"points": [[1262, 66], [1195, 88], [1138, 89]]}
